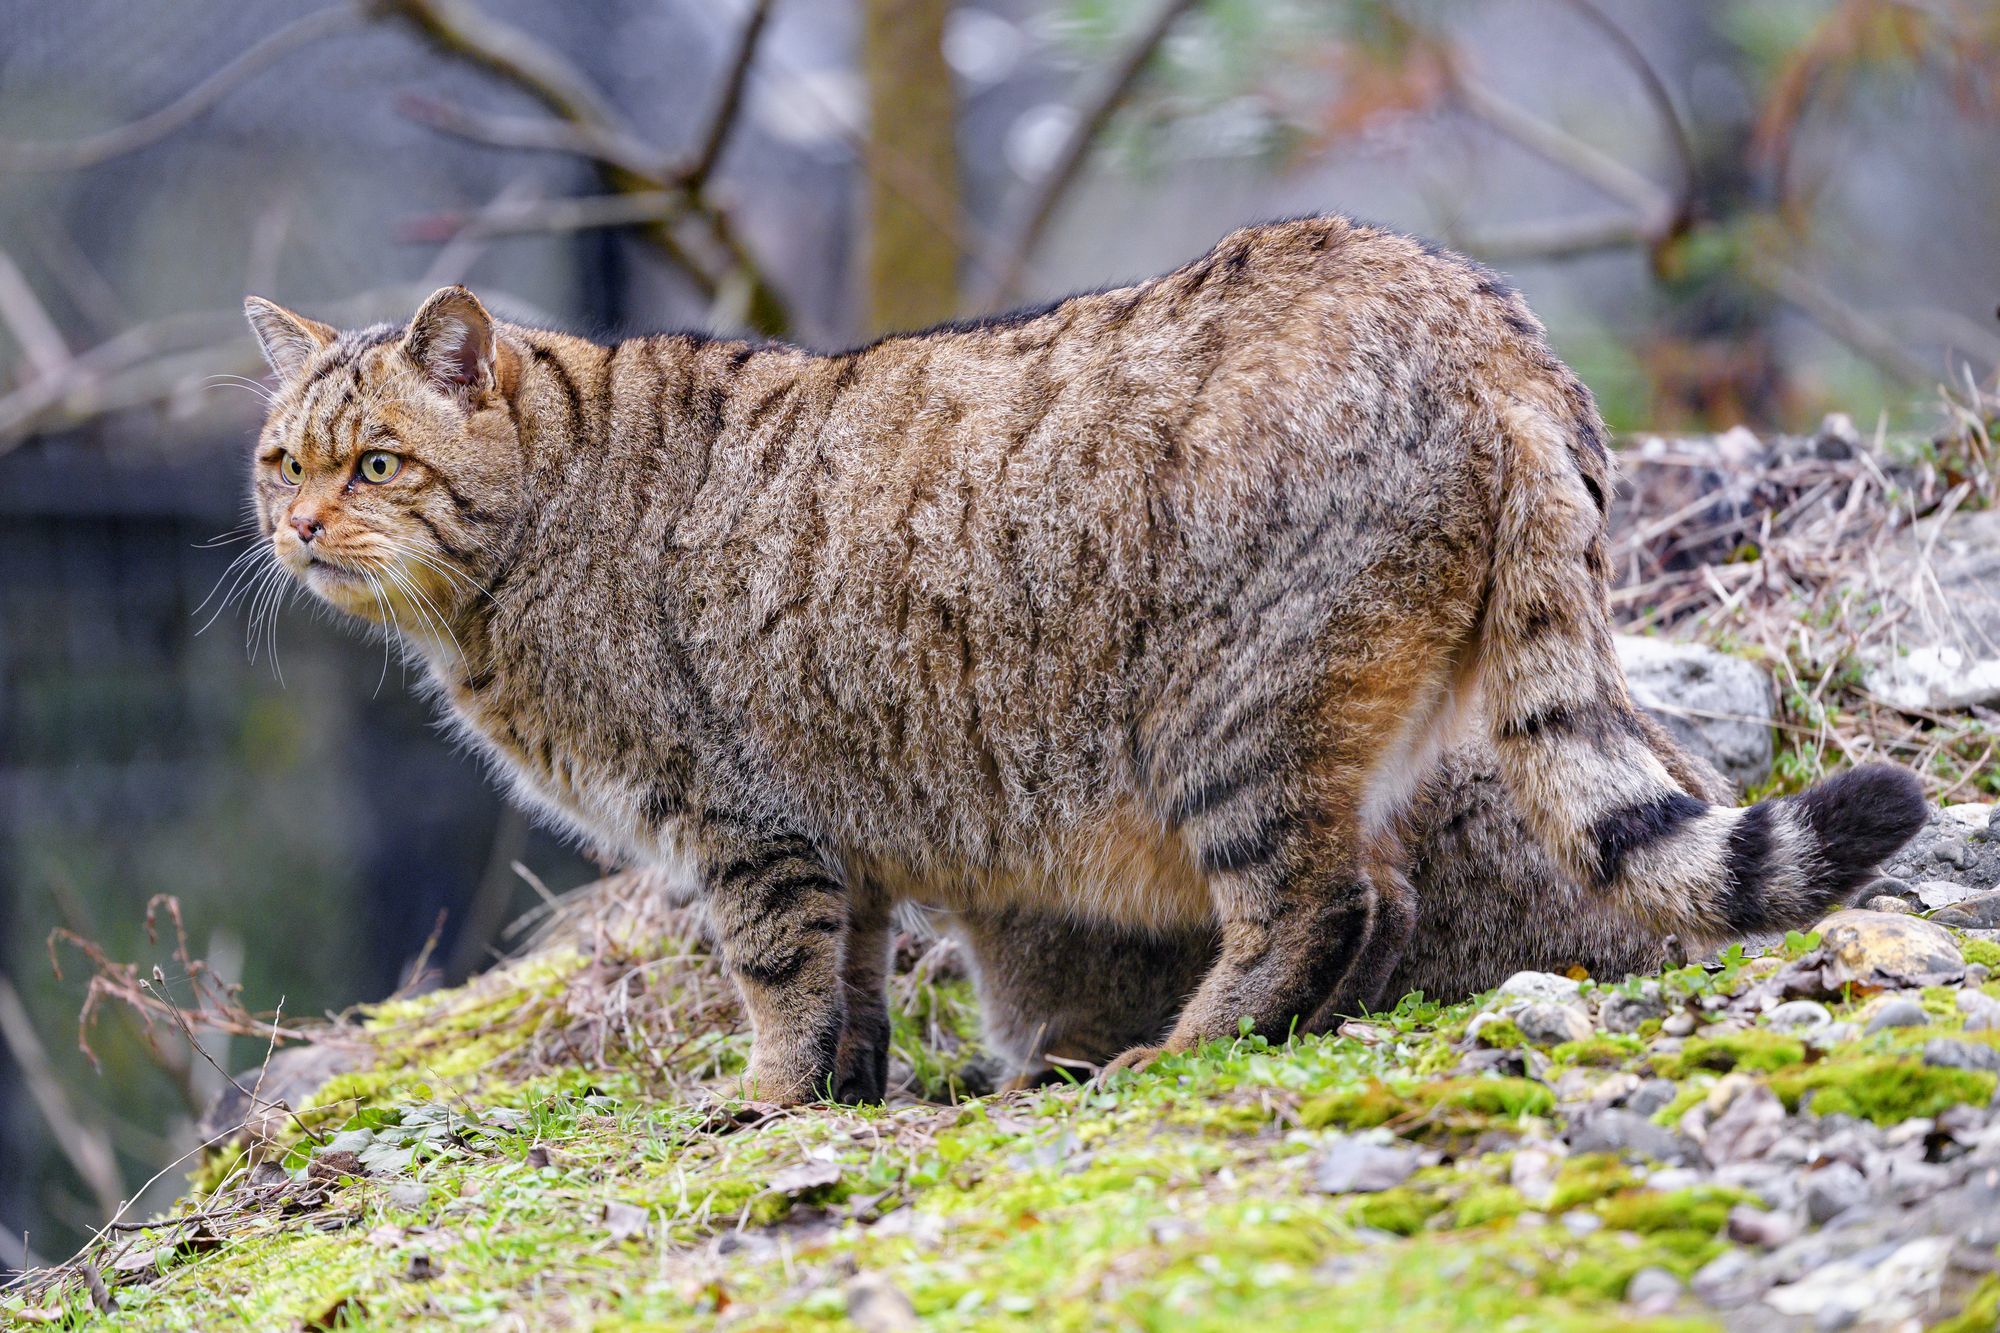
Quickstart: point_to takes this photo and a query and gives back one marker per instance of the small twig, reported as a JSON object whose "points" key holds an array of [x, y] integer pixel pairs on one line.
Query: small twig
{"points": [[1547, 140], [1655, 89], [538, 216], [1094, 111], [23, 313], [158, 989], [728, 100], [95, 149], [1559, 238]]}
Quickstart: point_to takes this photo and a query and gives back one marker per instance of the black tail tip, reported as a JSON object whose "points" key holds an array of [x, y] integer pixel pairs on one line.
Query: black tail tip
{"points": [[1865, 815]]}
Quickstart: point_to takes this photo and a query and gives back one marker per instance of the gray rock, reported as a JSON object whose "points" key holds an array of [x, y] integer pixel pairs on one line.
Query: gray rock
{"points": [[1980, 912], [1935, 893], [1652, 1291], [1898, 1014], [1886, 903], [1628, 1134], [1982, 1011], [1652, 1096], [1579, 1223], [1952, 1054], [1977, 974], [1539, 987], [1553, 1024], [1798, 1017], [1766, 1229], [1715, 705], [1832, 1190], [1730, 1278], [1355, 1165], [1881, 1292], [1832, 1035], [1954, 847], [1740, 1122], [1679, 1024], [1624, 1013]]}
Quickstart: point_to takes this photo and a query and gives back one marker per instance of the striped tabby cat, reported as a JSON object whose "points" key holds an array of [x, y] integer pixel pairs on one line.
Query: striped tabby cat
{"points": [[1151, 607]]}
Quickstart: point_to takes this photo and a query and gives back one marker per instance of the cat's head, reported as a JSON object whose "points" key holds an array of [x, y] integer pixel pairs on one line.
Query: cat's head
{"points": [[388, 474]]}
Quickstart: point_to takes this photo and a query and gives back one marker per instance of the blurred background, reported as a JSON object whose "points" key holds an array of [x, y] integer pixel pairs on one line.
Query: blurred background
{"points": [[1745, 213]]}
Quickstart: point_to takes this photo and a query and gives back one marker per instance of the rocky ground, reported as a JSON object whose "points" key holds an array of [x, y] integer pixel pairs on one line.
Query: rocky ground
{"points": [[1804, 1136]]}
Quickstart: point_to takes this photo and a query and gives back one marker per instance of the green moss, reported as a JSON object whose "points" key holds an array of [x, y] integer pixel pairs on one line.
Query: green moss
{"points": [[1984, 952], [1502, 1034], [1600, 1050], [1451, 1103], [1401, 1211], [1883, 1089], [1702, 1210], [1979, 1314], [1588, 1177], [1750, 1049], [1488, 1203]]}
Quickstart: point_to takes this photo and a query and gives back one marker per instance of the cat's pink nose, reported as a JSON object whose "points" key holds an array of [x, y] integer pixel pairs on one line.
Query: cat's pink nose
{"points": [[306, 523]]}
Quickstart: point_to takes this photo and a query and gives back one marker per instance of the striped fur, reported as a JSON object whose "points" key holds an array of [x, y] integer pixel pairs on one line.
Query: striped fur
{"points": [[1193, 577], [1490, 902]]}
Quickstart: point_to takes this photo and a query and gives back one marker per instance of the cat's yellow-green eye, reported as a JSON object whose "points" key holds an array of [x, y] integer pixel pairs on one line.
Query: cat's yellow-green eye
{"points": [[378, 465], [291, 469]]}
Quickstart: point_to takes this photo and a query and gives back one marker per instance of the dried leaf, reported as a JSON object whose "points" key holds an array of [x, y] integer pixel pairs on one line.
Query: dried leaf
{"points": [[806, 1177], [624, 1220]]}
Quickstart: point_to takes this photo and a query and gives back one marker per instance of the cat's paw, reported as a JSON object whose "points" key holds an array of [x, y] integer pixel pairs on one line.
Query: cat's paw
{"points": [[1135, 1059]]}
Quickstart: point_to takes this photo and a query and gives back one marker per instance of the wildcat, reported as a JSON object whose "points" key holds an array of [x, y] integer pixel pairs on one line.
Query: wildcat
{"points": [[1150, 607], [1489, 903]]}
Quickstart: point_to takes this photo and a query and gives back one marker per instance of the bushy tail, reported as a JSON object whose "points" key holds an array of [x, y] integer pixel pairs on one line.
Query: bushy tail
{"points": [[1582, 766]]}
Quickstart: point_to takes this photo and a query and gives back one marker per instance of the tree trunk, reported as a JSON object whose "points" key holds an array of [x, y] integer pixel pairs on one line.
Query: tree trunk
{"points": [[912, 177]]}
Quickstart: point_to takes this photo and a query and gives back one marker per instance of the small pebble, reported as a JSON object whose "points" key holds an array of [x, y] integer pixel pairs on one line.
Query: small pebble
{"points": [[1652, 1291], [1977, 974], [1766, 1229], [1798, 1016], [1945, 1053], [1885, 903], [1678, 1024], [1579, 1223], [1553, 1024], [1654, 1095], [1898, 1013]]}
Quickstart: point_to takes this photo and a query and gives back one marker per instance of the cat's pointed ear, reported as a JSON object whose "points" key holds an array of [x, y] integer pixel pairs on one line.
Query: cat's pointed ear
{"points": [[287, 339], [451, 340]]}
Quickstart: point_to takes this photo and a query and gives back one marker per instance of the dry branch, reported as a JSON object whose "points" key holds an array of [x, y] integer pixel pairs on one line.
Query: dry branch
{"points": [[1095, 109]]}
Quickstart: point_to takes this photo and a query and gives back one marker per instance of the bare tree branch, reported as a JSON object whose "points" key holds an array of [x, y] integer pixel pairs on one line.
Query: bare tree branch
{"points": [[22, 312], [626, 165], [1861, 334], [1652, 204], [722, 120], [532, 134], [536, 216], [95, 149], [1655, 89], [1562, 238], [1094, 111]]}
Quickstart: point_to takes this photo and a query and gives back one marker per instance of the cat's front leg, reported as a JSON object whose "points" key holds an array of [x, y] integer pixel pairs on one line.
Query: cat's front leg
{"points": [[779, 912]]}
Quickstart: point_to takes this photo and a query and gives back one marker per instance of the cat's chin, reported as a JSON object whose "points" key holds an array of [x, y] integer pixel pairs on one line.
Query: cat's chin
{"points": [[342, 589]]}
